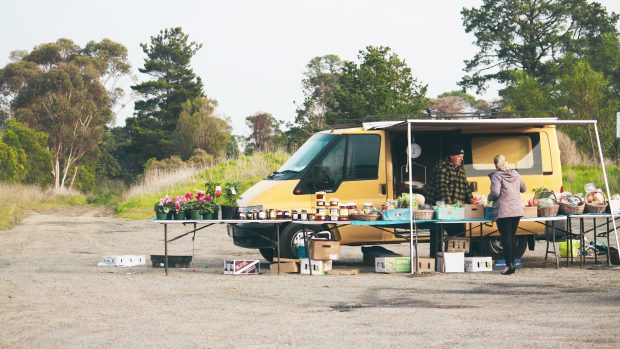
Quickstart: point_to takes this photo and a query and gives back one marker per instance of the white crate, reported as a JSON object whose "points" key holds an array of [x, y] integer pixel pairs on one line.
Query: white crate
{"points": [[614, 206], [477, 264], [318, 267], [122, 261], [454, 262]]}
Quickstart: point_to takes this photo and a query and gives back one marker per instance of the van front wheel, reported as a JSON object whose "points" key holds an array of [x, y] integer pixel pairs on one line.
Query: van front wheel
{"points": [[293, 234], [492, 246]]}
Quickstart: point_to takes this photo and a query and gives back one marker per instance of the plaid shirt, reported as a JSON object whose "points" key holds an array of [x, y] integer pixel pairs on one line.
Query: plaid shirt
{"points": [[448, 183]]}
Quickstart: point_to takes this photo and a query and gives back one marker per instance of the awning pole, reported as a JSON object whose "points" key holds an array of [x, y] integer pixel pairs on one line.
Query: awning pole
{"points": [[410, 166], [600, 153]]}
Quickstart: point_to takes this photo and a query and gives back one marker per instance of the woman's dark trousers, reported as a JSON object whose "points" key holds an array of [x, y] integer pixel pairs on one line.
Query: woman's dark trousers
{"points": [[508, 230]]}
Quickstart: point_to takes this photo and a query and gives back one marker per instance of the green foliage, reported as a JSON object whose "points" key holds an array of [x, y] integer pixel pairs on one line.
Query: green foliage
{"points": [[57, 89], [265, 133], [381, 87], [38, 161], [156, 114], [526, 94], [531, 36], [575, 177], [199, 128], [12, 168]]}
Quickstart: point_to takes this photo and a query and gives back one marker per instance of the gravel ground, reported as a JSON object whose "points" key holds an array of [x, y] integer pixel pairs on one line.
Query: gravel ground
{"points": [[52, 295]]}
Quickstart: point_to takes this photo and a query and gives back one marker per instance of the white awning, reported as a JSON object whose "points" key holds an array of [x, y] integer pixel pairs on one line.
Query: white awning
{"points": [[470, 123]]}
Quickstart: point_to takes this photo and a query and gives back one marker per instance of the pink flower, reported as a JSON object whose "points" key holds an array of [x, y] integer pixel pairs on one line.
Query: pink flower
{"points": [[189, 196], [208, 198]]}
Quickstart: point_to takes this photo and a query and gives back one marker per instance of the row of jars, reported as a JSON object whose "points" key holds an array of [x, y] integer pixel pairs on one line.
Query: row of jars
{"points": [[321, 213]]}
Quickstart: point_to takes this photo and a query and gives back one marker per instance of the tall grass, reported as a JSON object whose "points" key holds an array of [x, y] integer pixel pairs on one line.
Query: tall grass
{"points": [[574, 177], [139, 201], [17, 200]]}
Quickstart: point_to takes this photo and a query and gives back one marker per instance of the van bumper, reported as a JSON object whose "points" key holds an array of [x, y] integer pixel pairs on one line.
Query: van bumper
{"points": [[252, 235]]}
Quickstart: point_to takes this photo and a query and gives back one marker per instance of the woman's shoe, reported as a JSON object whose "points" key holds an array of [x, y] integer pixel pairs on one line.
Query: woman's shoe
{"points": [[510, 269]]}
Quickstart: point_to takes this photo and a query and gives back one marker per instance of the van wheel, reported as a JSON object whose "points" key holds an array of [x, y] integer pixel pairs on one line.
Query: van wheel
{"points": [[291, 235], [268, 253], [492, 246]]}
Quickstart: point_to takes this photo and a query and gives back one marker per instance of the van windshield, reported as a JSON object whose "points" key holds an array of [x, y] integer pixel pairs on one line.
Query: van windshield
{"points": [[306, 153]]}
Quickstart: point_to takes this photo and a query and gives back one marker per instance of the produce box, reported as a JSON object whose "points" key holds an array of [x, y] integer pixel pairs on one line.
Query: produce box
{"points": [[614, 206], [478, 264], [457, 245], [451, 262], [450, 213], [425, 264], [122, 261], [488, 213], [392, 265], [242, 267], [397, 214], [324, 249], [530, 212], [318, 267], [473, 211], [173, 261], [285, 267]]}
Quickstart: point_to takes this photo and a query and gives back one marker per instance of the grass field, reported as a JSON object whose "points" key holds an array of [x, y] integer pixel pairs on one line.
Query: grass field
{"points": [[575, 177]]}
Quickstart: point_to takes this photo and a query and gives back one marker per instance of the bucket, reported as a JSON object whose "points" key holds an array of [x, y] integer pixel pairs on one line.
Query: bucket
{"points": [[301, 250], [566, 246]]}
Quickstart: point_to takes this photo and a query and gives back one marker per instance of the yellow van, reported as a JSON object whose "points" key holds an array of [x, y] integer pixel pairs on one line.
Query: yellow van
{"points": [[369, 164]]}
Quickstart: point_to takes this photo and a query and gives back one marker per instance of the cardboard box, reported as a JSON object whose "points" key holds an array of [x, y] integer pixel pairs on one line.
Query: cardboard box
{"points": [[372, 252], [478, 264], [425, 264], [324, 250], [473, 211], [242, 267], [285, 267], [457, 245], [451, 262], [122, 261], [530, 212], [318, 267], [501, 264], [392, 265], [614, 206], [450, 213]]}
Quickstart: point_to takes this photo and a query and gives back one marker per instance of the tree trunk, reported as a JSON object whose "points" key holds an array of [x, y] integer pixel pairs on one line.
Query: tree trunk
{"points": [[75, 170]]}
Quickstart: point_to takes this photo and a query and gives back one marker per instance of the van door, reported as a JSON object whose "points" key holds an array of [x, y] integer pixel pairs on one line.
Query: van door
{"points": [[350, 171]]}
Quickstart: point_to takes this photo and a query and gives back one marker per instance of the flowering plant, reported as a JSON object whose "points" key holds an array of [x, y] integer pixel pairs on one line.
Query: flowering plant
{"points": [[164, 205], [180, 203], [204, 203], [226, 194]]}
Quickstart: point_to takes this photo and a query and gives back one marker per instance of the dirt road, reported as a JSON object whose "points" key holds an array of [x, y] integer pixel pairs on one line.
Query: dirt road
{"points": [[52, 295]]}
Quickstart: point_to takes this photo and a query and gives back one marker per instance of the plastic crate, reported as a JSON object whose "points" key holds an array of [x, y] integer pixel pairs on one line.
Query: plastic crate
{"points": [[158, 261]]}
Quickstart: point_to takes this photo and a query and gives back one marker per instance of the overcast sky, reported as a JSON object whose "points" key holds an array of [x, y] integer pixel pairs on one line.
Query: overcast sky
{"points": [[255, 52]]}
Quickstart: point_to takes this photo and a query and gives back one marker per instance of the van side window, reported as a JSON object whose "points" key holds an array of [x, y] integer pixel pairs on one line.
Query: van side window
{"points": [[363, 157], [522, 150], [326, 173]]}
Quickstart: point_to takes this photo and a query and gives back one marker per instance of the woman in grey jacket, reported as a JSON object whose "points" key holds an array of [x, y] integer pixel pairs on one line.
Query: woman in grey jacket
{"points": [[506, 186]]}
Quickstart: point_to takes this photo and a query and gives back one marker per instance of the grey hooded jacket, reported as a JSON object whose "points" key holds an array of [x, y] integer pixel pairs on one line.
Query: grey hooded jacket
{"points": [[505, 189]]}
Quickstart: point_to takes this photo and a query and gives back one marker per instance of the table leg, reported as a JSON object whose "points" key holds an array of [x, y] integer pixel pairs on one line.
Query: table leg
{"points": [[608, 245], [307, 249], [441, 237], [166, 248], [595, 254], [480, 243], [555, 250], [569, 242], [582, 240], [277, 226]]}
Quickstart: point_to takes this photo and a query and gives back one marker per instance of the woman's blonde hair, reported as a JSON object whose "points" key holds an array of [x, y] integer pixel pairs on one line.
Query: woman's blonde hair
{"points": [[501, 163]]}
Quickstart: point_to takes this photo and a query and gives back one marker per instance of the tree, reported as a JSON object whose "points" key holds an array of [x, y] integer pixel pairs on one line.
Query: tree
{"points": [[321, 79], [264, 132], [38, 159], [12, 164], [199, 128], [526, 94], [381, 86], [57, 88], [458, 102], [531, 36], [174, 82]]}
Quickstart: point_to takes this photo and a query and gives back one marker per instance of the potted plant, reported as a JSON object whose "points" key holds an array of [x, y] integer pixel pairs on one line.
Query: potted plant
{"points": [[229, 202], [180, 207], [192, 208], [163, 208], [206, 206]]}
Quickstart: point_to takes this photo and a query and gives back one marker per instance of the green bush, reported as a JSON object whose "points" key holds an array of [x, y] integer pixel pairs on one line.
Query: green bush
{"points": [[574, 177]]}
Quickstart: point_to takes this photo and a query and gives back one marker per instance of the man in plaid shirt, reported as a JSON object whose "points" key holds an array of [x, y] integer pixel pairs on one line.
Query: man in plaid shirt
{"points": [[449, 184]]}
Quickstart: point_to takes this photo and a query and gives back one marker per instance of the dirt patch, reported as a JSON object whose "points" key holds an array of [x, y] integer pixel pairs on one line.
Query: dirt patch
{"points": [[53, 295]]}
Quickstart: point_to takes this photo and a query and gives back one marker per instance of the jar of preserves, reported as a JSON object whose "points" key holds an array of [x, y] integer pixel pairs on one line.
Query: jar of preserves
{"points": [[334, 211], [321, 210], [272, 214], [321, 195], [333, 217], [254, 214], [319, 217], [294, 215], [303, 215], [367, 208], [334, 202], [279, 214], [311, 216], [262, 214], [343, 212], [320, 203], [242, 215], [286, 214]]}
